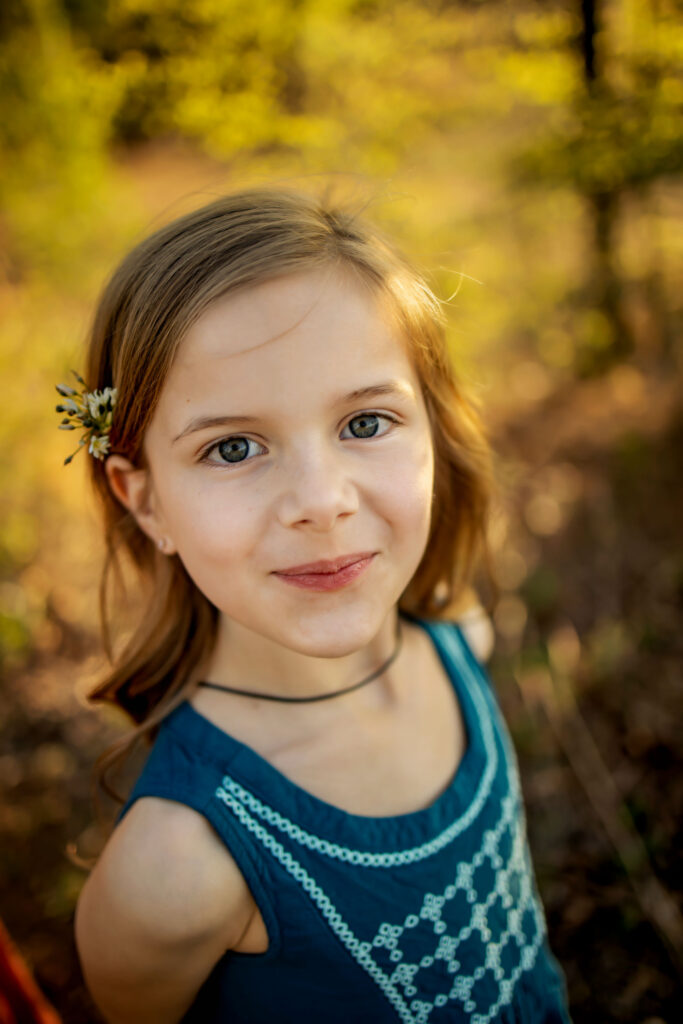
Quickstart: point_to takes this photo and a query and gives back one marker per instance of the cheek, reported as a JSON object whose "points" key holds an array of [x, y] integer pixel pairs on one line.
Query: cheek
{"points": [[212, 525], [409, 486], [424, 491]]}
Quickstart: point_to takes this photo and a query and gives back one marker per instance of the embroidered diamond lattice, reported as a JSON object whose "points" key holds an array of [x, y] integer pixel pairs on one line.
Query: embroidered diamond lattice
{"points": [[501, 934], [507, 926]]}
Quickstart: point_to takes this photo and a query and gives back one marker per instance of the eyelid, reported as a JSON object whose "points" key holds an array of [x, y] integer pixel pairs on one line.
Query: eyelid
{"points": [[204, 453], [371, 412]]}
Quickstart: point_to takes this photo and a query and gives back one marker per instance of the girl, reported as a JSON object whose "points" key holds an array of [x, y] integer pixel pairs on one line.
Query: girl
{"points": [[329, 825]]}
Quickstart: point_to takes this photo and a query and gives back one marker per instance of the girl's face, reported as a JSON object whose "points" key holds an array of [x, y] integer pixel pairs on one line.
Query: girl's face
{"points": [[291, 429]]}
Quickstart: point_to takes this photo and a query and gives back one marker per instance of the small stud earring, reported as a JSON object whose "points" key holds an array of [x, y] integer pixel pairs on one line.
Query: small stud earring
{"points": [[161, 544]]}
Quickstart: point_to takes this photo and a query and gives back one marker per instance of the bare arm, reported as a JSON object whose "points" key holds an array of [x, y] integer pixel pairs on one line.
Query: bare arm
{"points": [[163, 904]]}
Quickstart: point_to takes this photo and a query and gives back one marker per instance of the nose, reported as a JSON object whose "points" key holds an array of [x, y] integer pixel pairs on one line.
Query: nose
{"points": [[317, 489]]}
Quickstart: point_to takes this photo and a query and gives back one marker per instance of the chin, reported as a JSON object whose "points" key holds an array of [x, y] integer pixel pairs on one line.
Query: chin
{"points": [[322, 632], [336, 639]]}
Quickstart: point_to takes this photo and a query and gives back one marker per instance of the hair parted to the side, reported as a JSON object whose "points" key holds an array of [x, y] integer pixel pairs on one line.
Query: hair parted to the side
{"points": [[160, 289]]}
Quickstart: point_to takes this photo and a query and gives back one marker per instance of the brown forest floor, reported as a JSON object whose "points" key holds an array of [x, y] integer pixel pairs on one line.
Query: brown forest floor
{"points": [[597, 729]]}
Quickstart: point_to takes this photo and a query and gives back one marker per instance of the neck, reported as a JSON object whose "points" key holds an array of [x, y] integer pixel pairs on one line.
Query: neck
{"points": [[250, 661]]}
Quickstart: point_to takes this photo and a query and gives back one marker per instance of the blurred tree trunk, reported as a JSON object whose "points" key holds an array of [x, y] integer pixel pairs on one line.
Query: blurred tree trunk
{"points": [[603, 205], [588, 14]]}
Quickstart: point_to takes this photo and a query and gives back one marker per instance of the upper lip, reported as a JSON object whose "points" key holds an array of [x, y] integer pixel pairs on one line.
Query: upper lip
{"points": [[325, 566]]}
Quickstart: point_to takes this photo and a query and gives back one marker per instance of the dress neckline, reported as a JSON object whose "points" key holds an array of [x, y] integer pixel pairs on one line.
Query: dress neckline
{"points": [[255, 773]]}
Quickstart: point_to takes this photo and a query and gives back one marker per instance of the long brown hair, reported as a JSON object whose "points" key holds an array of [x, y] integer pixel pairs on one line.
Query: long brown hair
{"points": [[160, 289]]}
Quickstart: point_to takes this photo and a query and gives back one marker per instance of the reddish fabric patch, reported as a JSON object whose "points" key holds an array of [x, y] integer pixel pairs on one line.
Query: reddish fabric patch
{"points": [[21, 1001]]}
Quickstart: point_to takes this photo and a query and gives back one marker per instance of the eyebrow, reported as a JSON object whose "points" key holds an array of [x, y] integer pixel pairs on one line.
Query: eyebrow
{"points": [[395, 389]]}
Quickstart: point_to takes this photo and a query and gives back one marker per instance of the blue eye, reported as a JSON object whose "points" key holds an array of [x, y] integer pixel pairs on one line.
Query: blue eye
{"points": [[235, 449], [231, 450], [367, 424]]}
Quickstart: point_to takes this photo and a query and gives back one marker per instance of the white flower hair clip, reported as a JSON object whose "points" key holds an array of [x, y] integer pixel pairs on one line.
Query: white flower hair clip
{"points": [[91, 411]]}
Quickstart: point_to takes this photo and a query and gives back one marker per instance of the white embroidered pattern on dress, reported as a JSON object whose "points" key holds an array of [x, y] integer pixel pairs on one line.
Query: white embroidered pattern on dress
{"points": [[506, 925], [401, 985]]}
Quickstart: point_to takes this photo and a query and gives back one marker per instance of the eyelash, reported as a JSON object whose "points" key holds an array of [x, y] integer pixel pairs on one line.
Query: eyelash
{"points": [[204, 457]]}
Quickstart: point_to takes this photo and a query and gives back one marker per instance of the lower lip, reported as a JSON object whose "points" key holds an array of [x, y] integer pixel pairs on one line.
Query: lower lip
{"points": [[323, 581]]}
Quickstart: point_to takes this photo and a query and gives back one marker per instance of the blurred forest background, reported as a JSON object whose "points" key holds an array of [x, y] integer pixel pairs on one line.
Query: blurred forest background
{"points": [[528, 154]]}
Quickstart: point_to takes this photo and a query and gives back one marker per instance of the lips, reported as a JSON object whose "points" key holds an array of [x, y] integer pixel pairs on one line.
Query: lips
{"points": [[335, 575], [325, 567]]}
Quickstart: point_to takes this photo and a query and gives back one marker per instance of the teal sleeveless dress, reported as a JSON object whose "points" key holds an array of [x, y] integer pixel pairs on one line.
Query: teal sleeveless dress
{"points": [[431, 917]]}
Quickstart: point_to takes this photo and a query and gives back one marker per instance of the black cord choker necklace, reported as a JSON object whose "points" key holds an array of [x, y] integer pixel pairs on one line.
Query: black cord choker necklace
{"points": [[324, 696]]}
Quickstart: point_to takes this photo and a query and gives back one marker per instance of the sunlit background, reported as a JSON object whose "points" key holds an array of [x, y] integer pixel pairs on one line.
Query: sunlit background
{"points": [[527, 155]]}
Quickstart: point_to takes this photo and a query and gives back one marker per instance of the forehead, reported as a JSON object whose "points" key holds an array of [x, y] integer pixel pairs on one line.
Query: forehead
{"points": [[293, 334]]}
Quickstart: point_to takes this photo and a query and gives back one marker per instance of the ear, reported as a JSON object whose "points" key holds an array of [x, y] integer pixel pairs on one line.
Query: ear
{"points": [[132, 486]]}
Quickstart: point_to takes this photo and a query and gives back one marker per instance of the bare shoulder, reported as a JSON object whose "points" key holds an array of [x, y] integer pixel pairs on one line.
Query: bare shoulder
{"points": [[163, 904], [475, 624], [165, 866], [478, 630]]}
